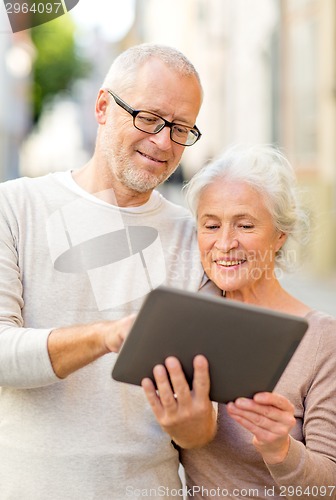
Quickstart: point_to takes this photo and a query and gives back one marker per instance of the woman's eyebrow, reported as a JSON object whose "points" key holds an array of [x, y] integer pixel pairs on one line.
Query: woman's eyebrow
{"points": [[244, 215], [236, 216], [207, 216]]}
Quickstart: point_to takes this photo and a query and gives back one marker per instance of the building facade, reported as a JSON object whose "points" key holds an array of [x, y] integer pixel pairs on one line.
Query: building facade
{"points": [[268, 69]]}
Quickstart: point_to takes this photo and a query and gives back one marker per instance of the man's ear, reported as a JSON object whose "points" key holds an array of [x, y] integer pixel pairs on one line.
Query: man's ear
{"points": [[101, 106]]}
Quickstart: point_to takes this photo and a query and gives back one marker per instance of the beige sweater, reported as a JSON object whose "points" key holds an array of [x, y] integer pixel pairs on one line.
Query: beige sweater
{"points": [[230, 465], [65, 258]]}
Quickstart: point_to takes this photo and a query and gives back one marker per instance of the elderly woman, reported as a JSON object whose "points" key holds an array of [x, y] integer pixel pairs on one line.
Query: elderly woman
{"points": [[280, 444]]}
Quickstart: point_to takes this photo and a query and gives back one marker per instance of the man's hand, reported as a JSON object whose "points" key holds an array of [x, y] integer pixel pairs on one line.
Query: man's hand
{"points": [[188, 416], [74, 347], [270, 417], [115, 332]]}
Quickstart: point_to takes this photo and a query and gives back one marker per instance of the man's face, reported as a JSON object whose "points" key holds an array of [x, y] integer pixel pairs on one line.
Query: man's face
{"points": [[141, 161]]}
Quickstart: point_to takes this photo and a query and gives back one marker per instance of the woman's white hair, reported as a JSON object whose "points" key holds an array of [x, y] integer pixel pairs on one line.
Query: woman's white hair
{"points": [[123, 71], [267, 170]]}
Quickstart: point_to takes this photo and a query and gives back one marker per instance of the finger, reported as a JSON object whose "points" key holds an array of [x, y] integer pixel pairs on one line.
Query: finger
{"points": [[261, 416], [178, 380], [152, 397], [275, 407], [124, 326], [263, 435], [166, 394], [257, 424], [201, 380], [274, 399], [267, 410]]}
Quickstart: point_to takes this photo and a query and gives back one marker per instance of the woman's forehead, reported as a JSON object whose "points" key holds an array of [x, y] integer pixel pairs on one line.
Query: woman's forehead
{"points": [[232, 197]]}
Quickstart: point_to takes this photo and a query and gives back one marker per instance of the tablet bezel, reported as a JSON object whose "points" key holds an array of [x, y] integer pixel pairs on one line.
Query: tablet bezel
{"points": [[248, 347]]}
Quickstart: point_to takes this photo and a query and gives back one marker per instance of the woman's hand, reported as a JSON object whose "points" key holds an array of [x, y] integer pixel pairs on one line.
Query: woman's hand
{"points": [[188, 416], [270, 417]]}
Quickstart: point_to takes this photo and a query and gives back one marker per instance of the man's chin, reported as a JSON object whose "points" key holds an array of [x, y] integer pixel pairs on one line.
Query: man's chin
{"points": [[144, 183]]}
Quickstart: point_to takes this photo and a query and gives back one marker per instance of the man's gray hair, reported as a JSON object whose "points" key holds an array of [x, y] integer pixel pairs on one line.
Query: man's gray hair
{"points": [[122, 73], [267, 170]]}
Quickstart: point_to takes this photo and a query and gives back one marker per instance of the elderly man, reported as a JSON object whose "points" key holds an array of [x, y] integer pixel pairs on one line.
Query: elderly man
{"points": [[79, 251]]}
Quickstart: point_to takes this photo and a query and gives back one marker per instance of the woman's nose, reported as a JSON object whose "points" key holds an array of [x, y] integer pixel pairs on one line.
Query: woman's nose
{"points": [[226, 240]]}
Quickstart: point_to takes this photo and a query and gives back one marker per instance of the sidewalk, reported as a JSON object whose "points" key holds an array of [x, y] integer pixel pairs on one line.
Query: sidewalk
{"points": [[318, 294]]}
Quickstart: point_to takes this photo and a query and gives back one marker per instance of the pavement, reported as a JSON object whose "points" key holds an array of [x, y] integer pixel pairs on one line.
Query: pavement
{"points": [[318, 293]]}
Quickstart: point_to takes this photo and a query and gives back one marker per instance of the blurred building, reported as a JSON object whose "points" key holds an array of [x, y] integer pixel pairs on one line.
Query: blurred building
{"points": [[307, 114], [16, 58], [65, 135], [231, 45], [268, 71]]}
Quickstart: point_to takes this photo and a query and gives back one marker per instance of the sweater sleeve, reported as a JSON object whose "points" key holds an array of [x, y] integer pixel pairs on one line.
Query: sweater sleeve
{"points": [[24, 358], [310, 467]]}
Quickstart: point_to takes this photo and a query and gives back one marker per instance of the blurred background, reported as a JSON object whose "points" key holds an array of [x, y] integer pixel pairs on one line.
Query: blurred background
{"points": [[268, 69]]}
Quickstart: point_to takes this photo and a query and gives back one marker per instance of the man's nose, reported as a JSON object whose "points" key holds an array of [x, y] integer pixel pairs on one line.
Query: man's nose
{"points": [[162, 139]]}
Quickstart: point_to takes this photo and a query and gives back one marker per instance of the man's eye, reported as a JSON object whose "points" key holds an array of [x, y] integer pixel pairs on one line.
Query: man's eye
{"points": [[149, 120], [181, 131]]}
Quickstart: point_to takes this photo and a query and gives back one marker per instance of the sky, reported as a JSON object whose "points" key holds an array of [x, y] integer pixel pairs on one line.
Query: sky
{"points": [[112, 17]]}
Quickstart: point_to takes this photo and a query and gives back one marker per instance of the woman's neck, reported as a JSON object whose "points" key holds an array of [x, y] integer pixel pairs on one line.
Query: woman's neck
{"points": [[270, 295]]}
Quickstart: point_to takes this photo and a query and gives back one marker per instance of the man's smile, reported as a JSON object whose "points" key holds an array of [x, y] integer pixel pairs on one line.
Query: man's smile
{"points": [[151, 158]]}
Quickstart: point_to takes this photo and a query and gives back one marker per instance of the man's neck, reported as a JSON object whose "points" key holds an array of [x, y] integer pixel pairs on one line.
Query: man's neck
{"points": [[108, 188]]}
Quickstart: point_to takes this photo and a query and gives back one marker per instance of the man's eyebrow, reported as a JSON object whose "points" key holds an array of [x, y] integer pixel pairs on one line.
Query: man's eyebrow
{"points": [[178, 121]]}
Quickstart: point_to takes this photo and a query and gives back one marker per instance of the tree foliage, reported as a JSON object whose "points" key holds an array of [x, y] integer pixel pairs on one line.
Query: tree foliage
{"points": [[57, 64]]}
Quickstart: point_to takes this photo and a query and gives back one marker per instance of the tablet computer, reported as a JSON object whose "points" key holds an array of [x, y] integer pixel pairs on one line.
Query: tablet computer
{"points": [[247, 347]]}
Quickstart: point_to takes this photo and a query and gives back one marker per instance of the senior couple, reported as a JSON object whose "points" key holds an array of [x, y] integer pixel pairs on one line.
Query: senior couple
{"points": [[78, 252]]}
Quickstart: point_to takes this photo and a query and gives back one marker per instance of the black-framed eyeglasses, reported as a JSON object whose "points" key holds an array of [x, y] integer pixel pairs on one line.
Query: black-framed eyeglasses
{"points": [[153, 124]]}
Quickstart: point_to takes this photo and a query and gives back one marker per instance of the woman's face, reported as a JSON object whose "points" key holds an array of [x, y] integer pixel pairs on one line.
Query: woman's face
{"points": [[236, 236]]}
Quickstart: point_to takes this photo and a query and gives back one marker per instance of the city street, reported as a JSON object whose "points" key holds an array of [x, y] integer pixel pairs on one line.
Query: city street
{"points": [[319, 294]]}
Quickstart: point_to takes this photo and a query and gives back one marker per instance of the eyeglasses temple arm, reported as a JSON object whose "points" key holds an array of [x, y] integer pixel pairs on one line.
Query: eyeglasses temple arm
{"points": [[122, 103]]}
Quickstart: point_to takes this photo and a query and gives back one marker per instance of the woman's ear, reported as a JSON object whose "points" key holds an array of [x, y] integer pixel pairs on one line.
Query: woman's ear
{"points": [[281, 239], [101, 106]]}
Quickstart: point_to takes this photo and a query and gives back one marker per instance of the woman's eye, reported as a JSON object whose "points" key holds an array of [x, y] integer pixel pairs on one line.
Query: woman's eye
{"points": [[246, 226], [212, 226]]}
